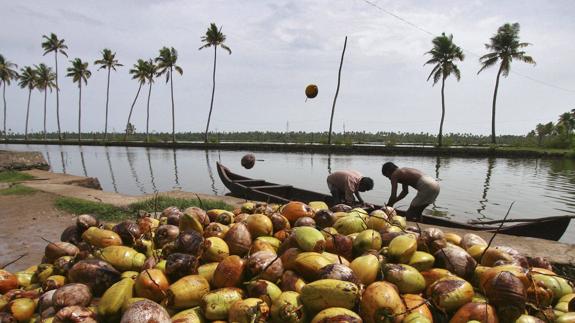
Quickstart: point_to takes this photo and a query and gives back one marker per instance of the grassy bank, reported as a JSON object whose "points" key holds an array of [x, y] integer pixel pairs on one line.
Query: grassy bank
{"points": [[17, 190], [109, 212], [11, 176]]}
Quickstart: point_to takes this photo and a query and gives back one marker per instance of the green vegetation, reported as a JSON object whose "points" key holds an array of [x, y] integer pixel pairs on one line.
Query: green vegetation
{"points": [[505, 47], [17, 190], [7, 74], [109, 212], [10, 176], [162, 202], [213, 38], [444, 54], [101, 210]]}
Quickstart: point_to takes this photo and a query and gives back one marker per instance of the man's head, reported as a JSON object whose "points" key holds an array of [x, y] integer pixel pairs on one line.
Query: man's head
{"points": [[365, 184], [388, 168]]}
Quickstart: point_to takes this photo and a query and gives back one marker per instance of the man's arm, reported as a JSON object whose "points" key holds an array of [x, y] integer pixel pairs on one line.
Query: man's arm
{"points": [[393, 194], [404, 191], [358, 197]]}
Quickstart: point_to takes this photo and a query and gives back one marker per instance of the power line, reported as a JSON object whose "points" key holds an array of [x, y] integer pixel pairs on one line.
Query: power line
{"points": [[371, 3]]}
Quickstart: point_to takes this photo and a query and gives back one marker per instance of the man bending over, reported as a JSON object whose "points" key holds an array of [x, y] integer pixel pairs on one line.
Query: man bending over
{"points": [[427, 188]]}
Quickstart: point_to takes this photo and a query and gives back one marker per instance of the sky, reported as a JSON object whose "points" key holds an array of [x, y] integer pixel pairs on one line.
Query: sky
{"points": [[281, 46]]}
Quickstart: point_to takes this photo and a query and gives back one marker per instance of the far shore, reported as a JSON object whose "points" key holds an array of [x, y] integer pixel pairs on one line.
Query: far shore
{"points": [[348, 149]]}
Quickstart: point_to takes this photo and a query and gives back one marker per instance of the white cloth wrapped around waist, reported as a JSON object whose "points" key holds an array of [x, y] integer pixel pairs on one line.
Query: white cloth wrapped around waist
{"points": [[427, 191]]}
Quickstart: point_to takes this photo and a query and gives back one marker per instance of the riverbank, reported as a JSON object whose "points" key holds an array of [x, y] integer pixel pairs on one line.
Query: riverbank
{"points": [[354, 149], [48, 185]]}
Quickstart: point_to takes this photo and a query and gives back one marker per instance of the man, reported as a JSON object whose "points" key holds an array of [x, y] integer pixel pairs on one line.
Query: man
{"points": [[344, 184], [427, 188]]}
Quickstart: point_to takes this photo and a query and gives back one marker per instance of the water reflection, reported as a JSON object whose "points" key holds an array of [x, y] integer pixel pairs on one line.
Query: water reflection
{"points": [[176, 169], [83, 162], [483, 201], [111, 169], [152, 180], [63, 162], [471, 188], [133, 170], [211, 174]]}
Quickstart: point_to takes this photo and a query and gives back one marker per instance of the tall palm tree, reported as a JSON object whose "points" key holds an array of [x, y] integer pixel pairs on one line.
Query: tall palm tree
{"points": [[151, 71], [7, 74], [28, 79], [166, 64], [79, 72], [45, 80], [213, 37], [109, 62], [444, 54], [567, 119], [53, 44], [138, 73], [505, 47]]}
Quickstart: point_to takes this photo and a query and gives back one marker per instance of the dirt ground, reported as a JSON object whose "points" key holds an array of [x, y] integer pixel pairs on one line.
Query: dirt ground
{"points": [[25, 220]]}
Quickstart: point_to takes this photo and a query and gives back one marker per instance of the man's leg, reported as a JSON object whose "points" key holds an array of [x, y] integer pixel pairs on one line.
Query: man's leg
{"points": [[414, 212], [337, 195]]}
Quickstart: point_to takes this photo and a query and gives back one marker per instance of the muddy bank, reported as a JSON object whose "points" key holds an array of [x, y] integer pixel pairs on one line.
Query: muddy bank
{"points": [[12, 160]]}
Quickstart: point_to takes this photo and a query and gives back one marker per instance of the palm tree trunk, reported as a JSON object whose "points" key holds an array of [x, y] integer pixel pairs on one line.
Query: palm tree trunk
{"points": [[148, 114], [440, 137], [494, 103], [173, 110], [132, 109], [80, 111], [57, 97], [213, 91], [336, 92], [45, 98], [4, 97], [107, 100], [27, 114]]}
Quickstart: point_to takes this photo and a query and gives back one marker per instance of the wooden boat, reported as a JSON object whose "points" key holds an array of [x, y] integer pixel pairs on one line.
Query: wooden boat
{"points": [[550, 228]]}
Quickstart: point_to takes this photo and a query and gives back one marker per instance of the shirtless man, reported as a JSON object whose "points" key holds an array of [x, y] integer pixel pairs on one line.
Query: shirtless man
{"points": [[344, 184], [426, 186]]}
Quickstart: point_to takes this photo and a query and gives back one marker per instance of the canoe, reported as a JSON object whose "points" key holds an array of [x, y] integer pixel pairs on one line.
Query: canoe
{"points": [[550, 228]]}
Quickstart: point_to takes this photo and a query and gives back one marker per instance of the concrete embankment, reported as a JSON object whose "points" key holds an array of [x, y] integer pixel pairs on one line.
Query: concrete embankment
{"points": [[356, 149]]}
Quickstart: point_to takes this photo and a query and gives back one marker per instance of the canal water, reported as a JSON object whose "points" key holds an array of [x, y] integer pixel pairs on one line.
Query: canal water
{"points": [[471, 188]]}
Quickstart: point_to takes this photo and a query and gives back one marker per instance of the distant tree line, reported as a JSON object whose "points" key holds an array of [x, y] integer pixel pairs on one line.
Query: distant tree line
{"points": [[556, 135]]}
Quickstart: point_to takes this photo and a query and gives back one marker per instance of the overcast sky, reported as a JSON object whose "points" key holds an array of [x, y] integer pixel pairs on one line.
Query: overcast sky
{"points": [[280, 46]]}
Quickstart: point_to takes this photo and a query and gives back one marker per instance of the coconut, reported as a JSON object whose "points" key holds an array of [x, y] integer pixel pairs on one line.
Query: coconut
{"points": [[250, 310], [8, 281], [291, 281], [145, 311], [85, 221], [229, 272], [265, 265], [406, 278], [216, 304], [366, 268], [288, 308], [215, 229], [475, 311], [72, 294], [96, 274], [55, 250], [450, 293], [166, 233], [128, 231], [295, 210], [238, 239], [381, 300], [456, 260], [259, 225], [339, 272], [179, 265], [190, 242]]}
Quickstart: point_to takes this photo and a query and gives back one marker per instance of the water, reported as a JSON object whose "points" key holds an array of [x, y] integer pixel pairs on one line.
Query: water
{"points": [[471, 188]]}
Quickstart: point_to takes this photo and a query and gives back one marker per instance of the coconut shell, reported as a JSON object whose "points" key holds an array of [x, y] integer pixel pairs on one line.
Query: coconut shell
{"points": [[250, 310], [238, 239], [265, 265], [291, 281], [229, 272], [179, 265], [339, 272], [55, 250], [259, 225], [72, 294], [215, 229], [380, 298], [248, 161], [85, 221], [145, 311], [151, 284], [295, 210], [264, 290], [456, 260], [128, 231], [165, 234], [190, 242], [96, 274], [8, 281]]}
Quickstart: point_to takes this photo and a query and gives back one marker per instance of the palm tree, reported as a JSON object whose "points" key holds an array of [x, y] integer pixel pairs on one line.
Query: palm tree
{"points": [[151, 71], [567, 119], [504, 47], [166, 64], [443, 54], [28, 79], [79, 72], [53, 44], [7, 74], [215, 38], [138, 73], [44, 82], [108, 61]]}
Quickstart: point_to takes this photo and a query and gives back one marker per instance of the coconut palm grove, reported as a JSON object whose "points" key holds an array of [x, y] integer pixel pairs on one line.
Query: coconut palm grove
{"points": [[502, 49]]}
